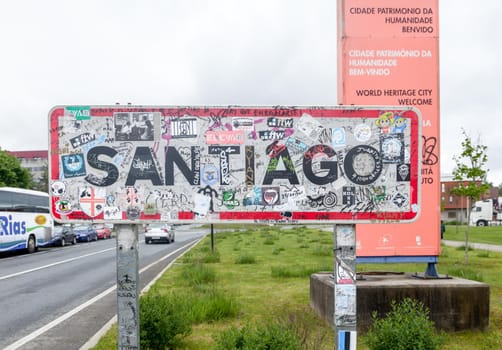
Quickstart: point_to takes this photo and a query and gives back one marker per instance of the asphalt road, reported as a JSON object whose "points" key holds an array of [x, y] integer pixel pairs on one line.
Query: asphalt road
{"points": [[58, 298]]}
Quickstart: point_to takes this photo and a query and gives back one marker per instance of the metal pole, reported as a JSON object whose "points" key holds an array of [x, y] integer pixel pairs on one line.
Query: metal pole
{"points": [[127, 287], [212, 238], [467, 231], [344, 292]]}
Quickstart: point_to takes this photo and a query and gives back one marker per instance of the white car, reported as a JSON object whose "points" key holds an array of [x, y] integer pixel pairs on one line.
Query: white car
{"points": [[159, 232]]}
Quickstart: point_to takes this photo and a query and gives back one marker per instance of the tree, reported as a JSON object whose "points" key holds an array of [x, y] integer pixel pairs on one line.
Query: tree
{"points": [[12, 173], [469, 170], [42, 184]]}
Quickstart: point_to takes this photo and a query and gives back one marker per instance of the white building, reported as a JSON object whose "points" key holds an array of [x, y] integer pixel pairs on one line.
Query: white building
{"points": [[35, 161]]}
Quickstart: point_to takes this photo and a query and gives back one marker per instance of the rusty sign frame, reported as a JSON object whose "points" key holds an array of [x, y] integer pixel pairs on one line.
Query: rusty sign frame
{"points": [[212, 164]]}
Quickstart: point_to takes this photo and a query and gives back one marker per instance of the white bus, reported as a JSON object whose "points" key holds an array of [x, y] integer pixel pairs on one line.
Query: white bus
{"points": [[25, 220]]}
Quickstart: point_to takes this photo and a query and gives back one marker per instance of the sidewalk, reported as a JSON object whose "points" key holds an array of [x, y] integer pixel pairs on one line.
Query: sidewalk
{"points": [[482, 246]]}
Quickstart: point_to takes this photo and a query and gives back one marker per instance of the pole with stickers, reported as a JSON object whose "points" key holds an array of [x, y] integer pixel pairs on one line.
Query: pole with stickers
{"points": [[345, 301], [127, 287]]}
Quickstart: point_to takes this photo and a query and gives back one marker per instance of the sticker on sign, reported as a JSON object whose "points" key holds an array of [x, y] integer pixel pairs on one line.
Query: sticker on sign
{"points": [[242, 164]]}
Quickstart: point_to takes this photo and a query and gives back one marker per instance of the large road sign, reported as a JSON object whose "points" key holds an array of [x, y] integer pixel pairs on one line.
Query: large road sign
{"points": [[248, 164], [388, 54]]}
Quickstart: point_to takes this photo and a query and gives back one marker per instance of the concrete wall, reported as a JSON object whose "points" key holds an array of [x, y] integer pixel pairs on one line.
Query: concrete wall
{"points": [[454, 304]]}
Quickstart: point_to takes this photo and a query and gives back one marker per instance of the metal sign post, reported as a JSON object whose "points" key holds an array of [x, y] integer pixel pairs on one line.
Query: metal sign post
{"points": [[344, 294], [127, 287]]}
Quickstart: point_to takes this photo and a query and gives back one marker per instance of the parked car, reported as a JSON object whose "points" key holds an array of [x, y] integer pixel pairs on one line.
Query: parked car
{"points": [[62, 235], [85, 233], [159, 232], [104, 231]]}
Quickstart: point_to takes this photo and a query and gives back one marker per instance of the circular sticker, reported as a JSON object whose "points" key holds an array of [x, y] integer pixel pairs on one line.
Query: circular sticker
{"points": [[271, 196], [58, 188], [362, 132], [363, 165], [63, 207]]}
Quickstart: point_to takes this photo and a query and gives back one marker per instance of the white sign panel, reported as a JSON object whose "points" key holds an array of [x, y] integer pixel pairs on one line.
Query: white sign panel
{"points": [[246, 164]]}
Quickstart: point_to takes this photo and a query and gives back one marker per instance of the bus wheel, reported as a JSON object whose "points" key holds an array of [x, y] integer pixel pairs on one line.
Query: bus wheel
{"points": [[31, 245]]}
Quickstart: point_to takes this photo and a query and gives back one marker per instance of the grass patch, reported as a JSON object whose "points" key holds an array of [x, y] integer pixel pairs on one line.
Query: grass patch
{"points": [[277, 287], [208, 305], [322, 250], [277, 250], [210, 257], [297, 270], [327, 241], [487, 234], [483, 254], [269, 241], [466, 273], [462, 248], [245, 259], [197, 274]]}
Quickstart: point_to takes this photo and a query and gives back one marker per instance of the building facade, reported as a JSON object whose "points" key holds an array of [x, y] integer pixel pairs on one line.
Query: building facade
{"points": [[453, 207], [35, 161]]}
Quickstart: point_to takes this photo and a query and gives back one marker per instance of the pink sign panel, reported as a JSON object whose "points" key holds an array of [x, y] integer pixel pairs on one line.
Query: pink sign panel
{"points": [[388, 55], [223, 164]]}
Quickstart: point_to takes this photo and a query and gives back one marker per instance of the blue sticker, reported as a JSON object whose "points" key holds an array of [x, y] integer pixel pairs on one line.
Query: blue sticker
{"points": [[210, 175], [338, 137], [253, 197], [73, 165]]}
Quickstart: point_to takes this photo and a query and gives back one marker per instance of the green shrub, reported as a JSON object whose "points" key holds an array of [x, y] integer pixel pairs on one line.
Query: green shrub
{"points": [[230, 339], [188, 258], [162, 323], [302, 322], [210, 257], [269, 241], [262, 337], [208, 304], [245, 259], [197, 274], [406, 327], [204, 249], [276, 251], [483, 254]]}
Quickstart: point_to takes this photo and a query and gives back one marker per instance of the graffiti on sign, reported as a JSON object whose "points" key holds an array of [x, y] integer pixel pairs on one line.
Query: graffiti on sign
{"points": [[211, 164]]}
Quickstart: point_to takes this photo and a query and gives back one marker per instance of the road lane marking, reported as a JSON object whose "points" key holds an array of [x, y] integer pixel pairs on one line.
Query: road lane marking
{"points": [[17, 344], [53, 264]]}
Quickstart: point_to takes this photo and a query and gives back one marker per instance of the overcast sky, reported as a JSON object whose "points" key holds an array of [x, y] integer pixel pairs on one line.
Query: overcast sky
{"points": [[220, 52]]}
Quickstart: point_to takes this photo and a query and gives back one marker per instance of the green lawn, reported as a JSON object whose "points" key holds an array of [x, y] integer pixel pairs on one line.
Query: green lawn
{"points": [[489, 234], [266, 271]]}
